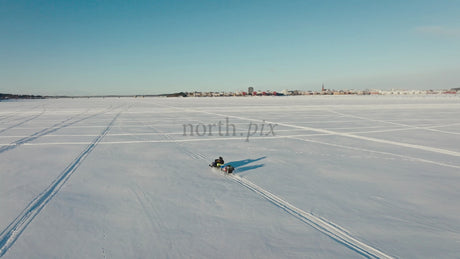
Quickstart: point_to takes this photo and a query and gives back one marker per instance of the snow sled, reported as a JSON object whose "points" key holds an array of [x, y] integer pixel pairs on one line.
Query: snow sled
{"points": [[224, 168], [227, 169]]}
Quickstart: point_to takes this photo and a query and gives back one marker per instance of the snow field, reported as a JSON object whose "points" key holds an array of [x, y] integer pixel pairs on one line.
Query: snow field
{"points": [[338, 177]]}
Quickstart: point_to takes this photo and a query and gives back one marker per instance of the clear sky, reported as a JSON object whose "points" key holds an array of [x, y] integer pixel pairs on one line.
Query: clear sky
{"points": [[149, 47]]}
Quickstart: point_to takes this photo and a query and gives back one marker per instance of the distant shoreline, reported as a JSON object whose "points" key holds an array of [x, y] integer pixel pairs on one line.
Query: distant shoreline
{"points": [[452, 91]]}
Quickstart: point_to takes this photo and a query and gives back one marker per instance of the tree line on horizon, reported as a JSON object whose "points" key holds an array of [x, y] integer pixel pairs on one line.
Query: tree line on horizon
{"points": [[19, 96]]}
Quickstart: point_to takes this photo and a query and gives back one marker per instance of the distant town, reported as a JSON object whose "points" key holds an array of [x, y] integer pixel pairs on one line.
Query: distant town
{"points": [[252, 92], [323, 91]]}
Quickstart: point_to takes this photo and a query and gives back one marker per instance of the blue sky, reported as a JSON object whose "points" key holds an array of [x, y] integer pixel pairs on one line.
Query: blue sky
{"points": [[150, 47]]}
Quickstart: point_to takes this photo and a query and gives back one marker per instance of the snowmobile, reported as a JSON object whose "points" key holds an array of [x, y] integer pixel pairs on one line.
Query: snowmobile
{"points": [[224, 168], [220, 164]]}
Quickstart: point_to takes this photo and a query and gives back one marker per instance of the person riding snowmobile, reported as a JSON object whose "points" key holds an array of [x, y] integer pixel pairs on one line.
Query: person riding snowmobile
{"points": [[218, 162]]}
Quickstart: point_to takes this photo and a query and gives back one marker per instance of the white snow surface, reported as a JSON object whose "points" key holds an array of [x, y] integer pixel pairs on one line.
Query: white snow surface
{"points": [[322, 177]]}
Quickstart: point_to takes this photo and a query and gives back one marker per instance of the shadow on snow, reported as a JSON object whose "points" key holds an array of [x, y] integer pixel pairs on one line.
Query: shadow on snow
{"points": [[242, 165]]}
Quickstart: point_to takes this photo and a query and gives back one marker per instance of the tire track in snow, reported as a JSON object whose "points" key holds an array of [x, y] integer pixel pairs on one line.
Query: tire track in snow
{"points": [[377, 152], [46, 131], [167, 138], [348, 135], [197, 156], [22, 122], [329, 228], [16, 112], [326, 227], [14, 230], [406, 126], [328, 132]]}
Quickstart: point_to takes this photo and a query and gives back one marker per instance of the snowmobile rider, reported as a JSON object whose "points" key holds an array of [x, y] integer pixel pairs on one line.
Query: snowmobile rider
{"points": [[218, 162]]}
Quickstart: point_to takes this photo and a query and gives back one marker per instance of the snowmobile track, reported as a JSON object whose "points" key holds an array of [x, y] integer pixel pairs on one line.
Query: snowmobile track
{"points": [[23, 121], [46, 131], [11, 233], [328, 228]]}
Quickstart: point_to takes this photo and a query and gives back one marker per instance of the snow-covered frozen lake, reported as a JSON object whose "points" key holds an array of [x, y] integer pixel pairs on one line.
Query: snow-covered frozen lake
{"points": [[316, 177]]}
